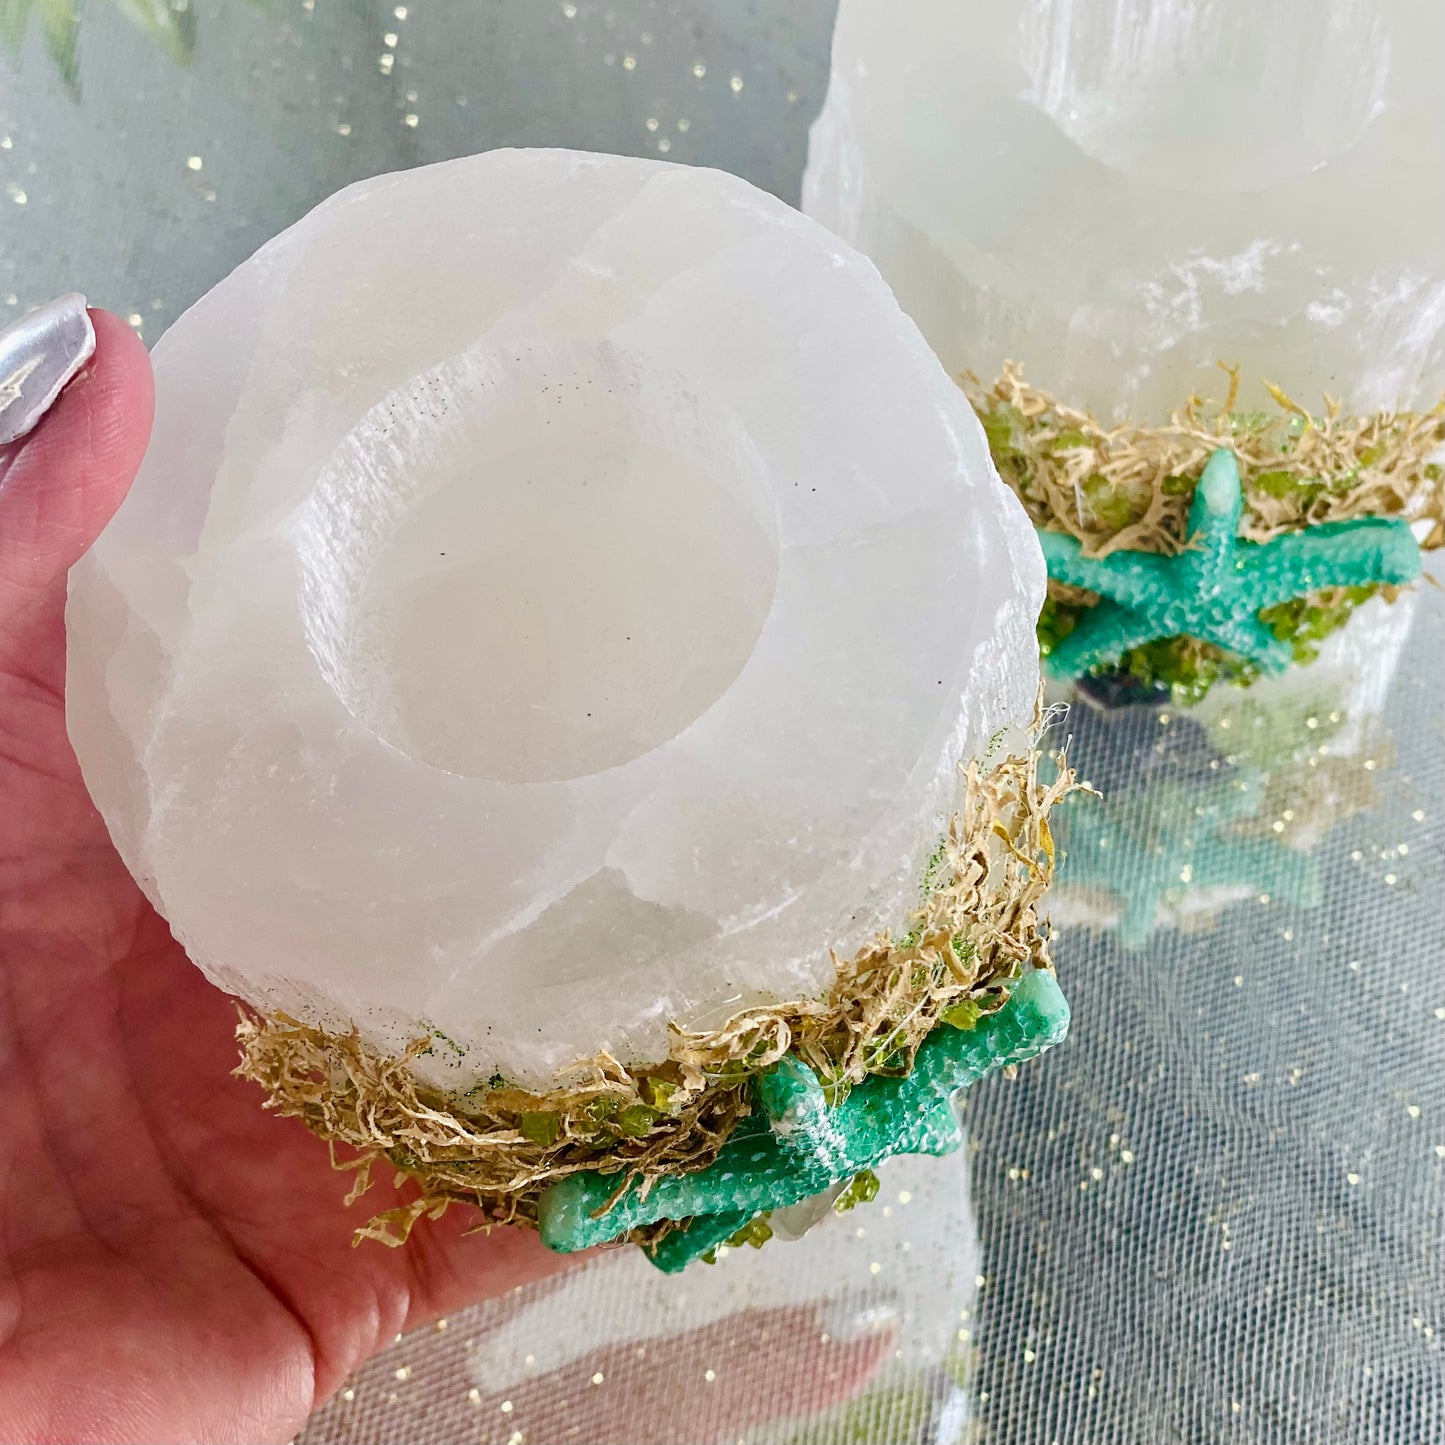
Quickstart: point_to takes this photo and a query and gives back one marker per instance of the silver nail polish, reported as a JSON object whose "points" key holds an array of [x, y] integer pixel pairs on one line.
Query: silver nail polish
{"points": [[38, 355]]}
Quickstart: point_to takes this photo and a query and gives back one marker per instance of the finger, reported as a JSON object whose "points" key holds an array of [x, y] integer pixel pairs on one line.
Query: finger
{"points": [[712, 1383], [60, 485]]}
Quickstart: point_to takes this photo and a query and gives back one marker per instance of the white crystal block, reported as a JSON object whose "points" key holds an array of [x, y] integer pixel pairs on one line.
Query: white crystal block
{"points": [[1121, 193], [556, 598]]}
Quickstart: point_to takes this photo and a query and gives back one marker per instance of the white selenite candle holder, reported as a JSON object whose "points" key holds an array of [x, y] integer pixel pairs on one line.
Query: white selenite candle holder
{"points": [[556, 602], [1121, 195]]}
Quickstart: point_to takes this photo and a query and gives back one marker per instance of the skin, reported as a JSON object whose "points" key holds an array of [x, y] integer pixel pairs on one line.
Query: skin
{"points": [[175, 1263]]}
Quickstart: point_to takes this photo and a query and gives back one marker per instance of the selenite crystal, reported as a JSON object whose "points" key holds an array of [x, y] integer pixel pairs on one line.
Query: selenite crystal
{"points": [[1121, 193], [556, 600]]}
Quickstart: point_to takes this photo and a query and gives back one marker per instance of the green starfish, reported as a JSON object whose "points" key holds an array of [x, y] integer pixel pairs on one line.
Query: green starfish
{"points": [[796, 1144], [1163, 840], [1215, 589]]}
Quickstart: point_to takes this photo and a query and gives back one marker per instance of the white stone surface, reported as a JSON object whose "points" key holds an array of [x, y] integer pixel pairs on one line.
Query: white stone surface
{"points": [[1122, 194], [556, 598]]}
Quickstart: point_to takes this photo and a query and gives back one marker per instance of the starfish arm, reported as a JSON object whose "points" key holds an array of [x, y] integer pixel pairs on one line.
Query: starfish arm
{"points": [[1242, 632], [1124, 576], [1258, 863], [1213, 525], [1332, 554], [678, 1250], [1101, 635]]}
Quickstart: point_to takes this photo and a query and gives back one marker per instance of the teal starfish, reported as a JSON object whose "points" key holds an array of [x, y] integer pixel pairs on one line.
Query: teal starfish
{"points": [[1215, 589], [1172, 838], [796, 1144]]}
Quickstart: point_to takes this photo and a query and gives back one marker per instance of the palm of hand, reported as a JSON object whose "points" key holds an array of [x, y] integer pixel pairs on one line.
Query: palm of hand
{"points": [[174, 1262]]}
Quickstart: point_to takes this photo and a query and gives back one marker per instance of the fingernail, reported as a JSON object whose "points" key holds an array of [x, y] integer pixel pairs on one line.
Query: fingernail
{"points": [[38, 355]]}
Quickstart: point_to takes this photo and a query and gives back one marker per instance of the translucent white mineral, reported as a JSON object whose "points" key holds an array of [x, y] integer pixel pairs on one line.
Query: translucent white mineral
{"points": [[1121, 193], [556, 599]]}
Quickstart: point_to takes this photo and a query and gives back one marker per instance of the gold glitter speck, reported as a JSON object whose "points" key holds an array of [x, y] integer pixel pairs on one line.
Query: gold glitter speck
{"points": [[348, 1395], [597, 1378], [506, 1407], [1127, 1155], [410, 118], [664, 145], [904, 1197], [569, 12], [403, 1372], [875, 1267], [400, 12], [1352, 1179], [735, 84], [193, 163], [474, 1395], [1029, 1357], [343, 129], [136, 319], [629, 62], [16, 194], [699, 70], [652, 122], [390, 39], [709, 1375], [1413, 1110]]}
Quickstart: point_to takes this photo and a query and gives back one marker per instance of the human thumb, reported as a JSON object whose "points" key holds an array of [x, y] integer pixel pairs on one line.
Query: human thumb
{"points": [[60, 484]]}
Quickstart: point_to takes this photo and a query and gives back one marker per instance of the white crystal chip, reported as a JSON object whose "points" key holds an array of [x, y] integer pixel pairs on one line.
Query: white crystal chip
{"points": [[555, 601], [1120, 193]]}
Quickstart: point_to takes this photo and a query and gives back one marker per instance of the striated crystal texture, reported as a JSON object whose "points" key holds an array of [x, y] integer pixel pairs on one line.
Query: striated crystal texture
{"points": [[1120, 193], [556, 600]]}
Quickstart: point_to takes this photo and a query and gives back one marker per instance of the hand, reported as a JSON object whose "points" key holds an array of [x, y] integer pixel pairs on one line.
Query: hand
{"points": [[175, 1263]]}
